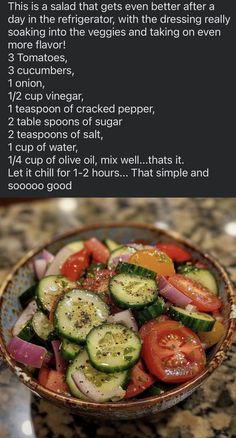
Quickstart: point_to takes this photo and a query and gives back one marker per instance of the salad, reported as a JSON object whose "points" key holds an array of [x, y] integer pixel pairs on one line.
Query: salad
{"points": [[106, 321]]}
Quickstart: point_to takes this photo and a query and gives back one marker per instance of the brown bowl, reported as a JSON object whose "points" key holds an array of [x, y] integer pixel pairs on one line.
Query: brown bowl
{"points": [[21, 277]]}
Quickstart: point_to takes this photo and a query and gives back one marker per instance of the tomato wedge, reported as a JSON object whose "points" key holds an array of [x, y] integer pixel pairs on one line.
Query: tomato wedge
{"points": [[53, 380], [201, 297], [140, 380], [176, 253], [100, 283], [155, 260], [99, 251], [173, 353], [76, 264], [147, 328]]}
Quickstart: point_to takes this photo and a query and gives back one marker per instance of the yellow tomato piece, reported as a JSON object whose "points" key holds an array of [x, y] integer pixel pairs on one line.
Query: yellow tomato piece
{"points": [[214, 336], [154, 260]]}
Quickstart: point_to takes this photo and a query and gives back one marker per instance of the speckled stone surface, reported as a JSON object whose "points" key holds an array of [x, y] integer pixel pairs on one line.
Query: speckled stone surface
{"points": [[210, 223]]}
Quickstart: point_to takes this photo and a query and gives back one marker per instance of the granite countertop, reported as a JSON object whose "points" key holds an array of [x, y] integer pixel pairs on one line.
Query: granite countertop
{"points": [[210, 223]]}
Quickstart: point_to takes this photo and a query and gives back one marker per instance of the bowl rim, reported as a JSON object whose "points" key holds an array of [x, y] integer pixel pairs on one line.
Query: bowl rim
{"points": [[147, 402]]}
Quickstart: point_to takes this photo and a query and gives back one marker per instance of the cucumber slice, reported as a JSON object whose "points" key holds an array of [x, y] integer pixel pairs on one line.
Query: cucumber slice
{"points": [[28, 296], [69, 350], [203, 276], [156, 389], [50, 288], [97, 386], [77, 313], [132, 291], [78, 361], [42, 327], [197, 321], [76, 246], [150, 312], [111, 244], [130, 268], [113, 347], [23, 328], [26, 333], [120, 254]]}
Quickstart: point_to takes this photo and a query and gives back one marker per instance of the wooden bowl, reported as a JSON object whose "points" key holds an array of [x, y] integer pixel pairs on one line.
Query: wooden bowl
{"points": [[21, 277]]}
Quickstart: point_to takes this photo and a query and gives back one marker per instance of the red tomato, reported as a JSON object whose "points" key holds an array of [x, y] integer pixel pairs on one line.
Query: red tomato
{"points": [[53, 380], [176, 253], [43, 376], [99, 251], [76, 264], [140, 380], [147, 328], [201, 297], [173, 353], [100, 283]]}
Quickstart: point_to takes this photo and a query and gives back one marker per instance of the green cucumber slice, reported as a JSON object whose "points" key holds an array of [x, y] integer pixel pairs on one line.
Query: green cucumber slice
{"points": [[203, 276], [118, 254], [111, 244], [150, 312], [23, 327], [113, 347], [77, 313], [132, 291], [28, 296], [69, 350], [43, 328], [156, 389], [50, 288], [26, 333], [98, 386], [78, 361], [197, 321], [130, 268]]}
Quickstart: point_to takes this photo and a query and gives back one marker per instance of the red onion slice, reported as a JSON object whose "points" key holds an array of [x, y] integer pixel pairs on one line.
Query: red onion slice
{"points": [[28, 354], [139, 246], [125, 317], [122, 258], [40, 267], [59, 259], [172, 294], [48, 256], [61, 364], [48, 358]]}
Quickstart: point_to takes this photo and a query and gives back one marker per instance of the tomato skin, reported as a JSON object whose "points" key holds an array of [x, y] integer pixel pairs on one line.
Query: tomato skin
{"points": [[43, 376], [201, 297], [53, 380], [211, 338], [173, 353], [155, 260], [99, 251], [100, 284], [175, 252], [140, 380], [100, 281], [76, 264], [148, 327]]}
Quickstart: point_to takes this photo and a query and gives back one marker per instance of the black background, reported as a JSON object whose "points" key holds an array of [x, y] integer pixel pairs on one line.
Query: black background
{"points": [[192, 83]]}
